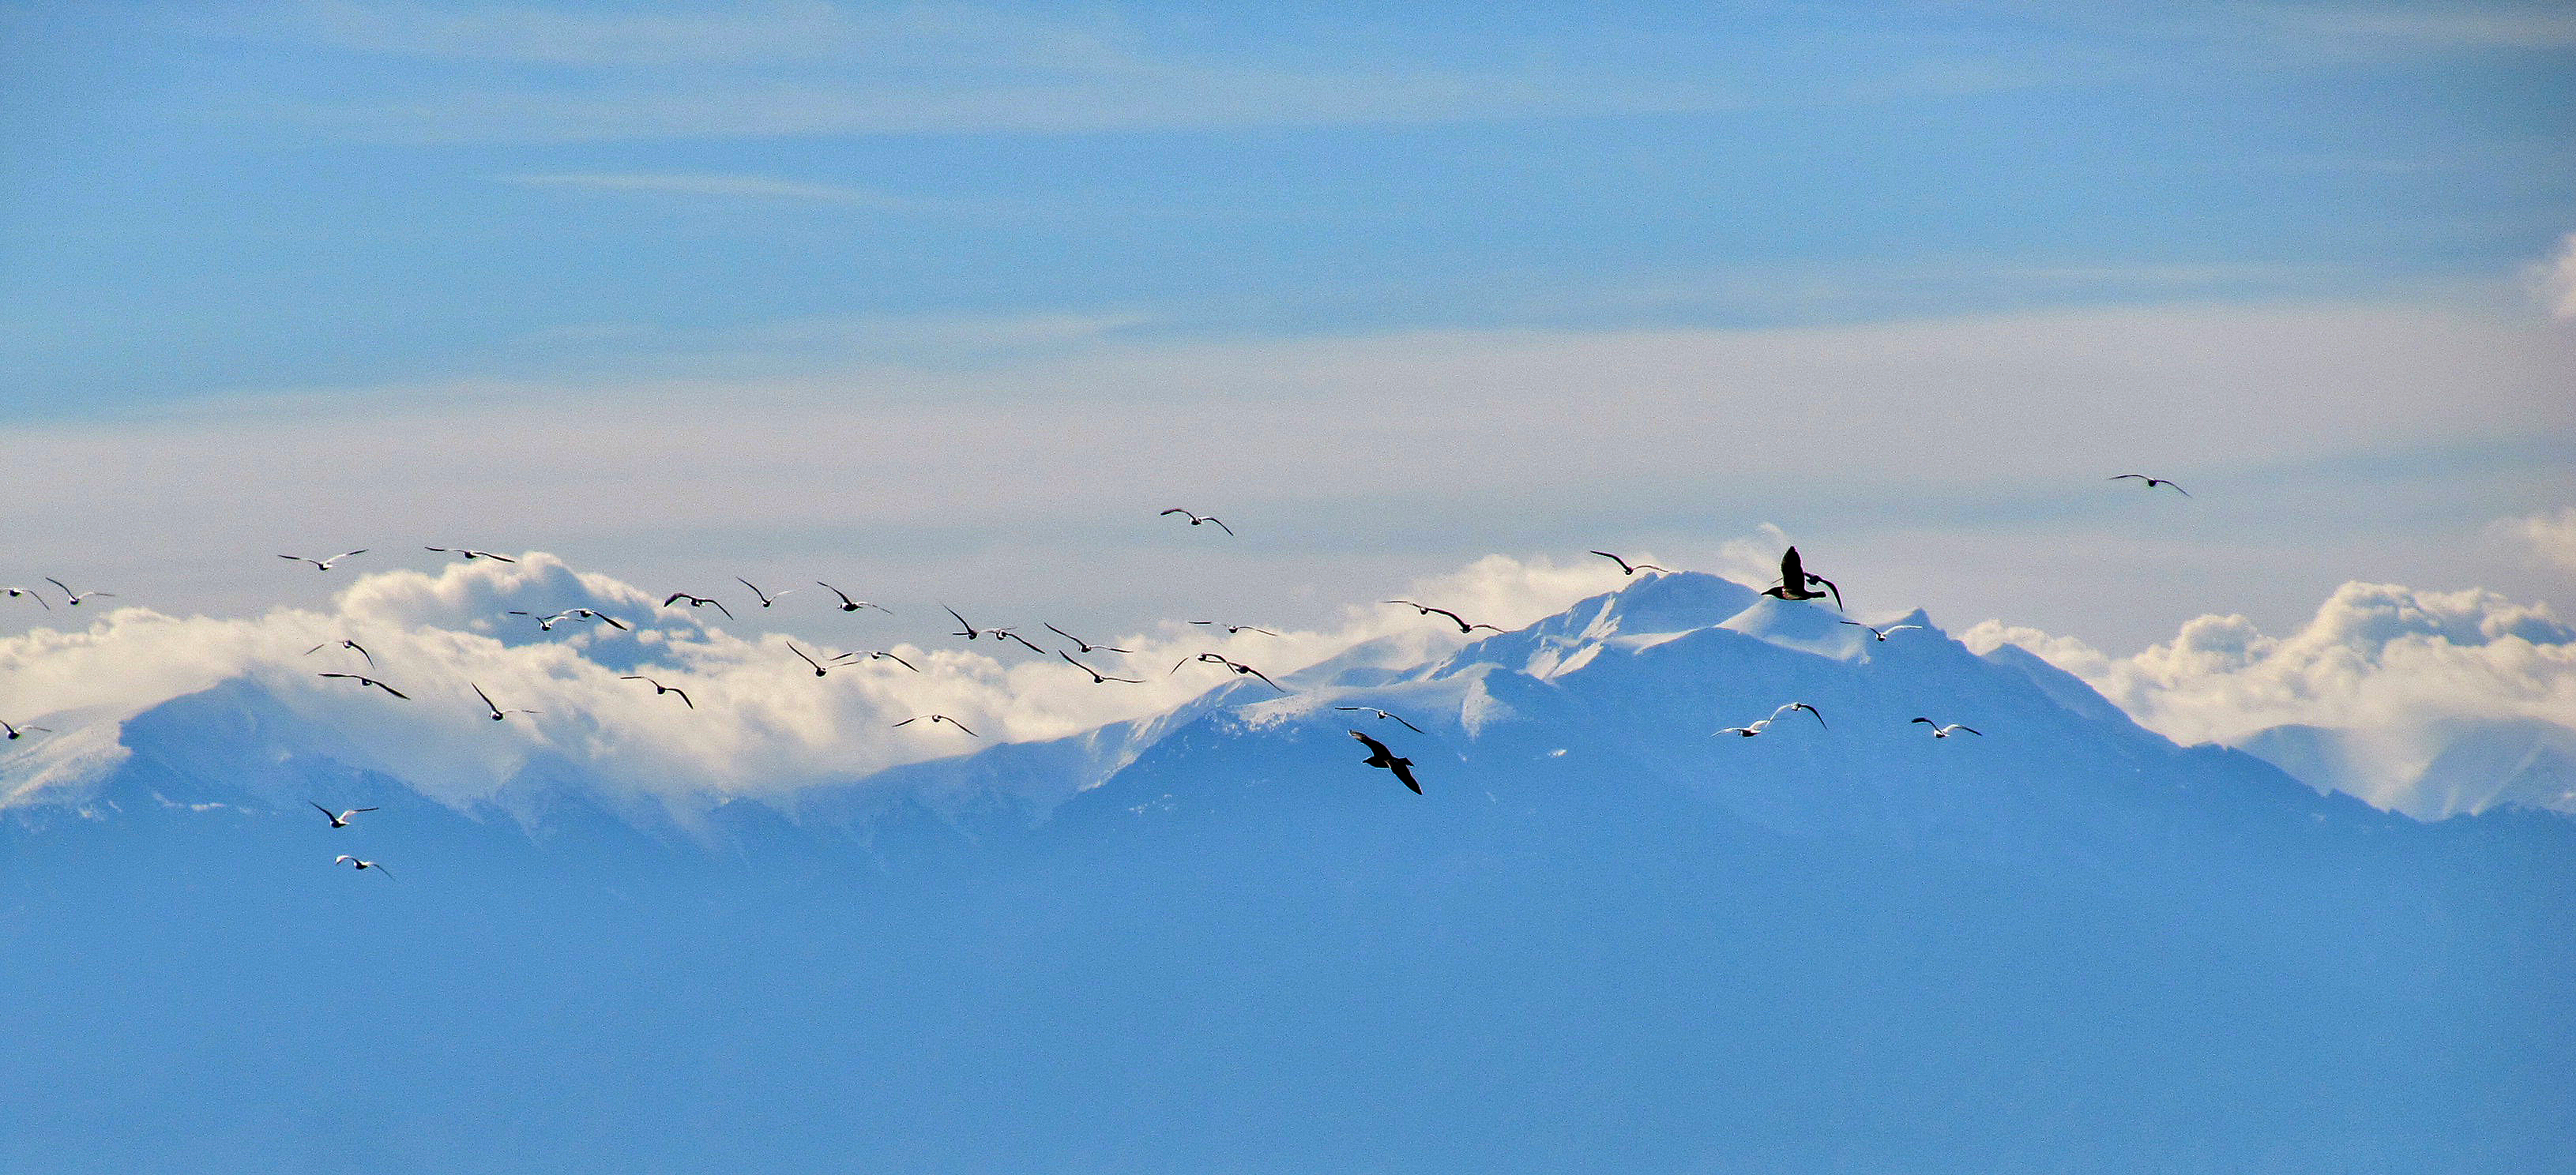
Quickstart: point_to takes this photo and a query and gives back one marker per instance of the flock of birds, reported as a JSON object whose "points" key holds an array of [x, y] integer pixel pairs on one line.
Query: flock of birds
{"points": [[1796, 584]]}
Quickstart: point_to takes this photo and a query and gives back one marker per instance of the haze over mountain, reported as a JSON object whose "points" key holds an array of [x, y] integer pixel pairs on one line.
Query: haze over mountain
{"points": [[1208, 938]]}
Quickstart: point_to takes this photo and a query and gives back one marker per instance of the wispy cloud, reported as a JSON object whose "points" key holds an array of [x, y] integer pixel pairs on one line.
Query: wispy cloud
{"points": [[717, 186], [2547, 538], [2555, 278]]}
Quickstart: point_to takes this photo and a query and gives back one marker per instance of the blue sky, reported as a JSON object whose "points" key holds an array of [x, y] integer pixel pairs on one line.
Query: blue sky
{"points": [[386, 214]]}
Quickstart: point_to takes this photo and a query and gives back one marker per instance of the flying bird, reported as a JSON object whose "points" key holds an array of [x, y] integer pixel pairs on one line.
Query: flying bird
{"points": [[697, 602], [875, 655], [964, 629], [1940, 731], [1627, 568], [1097, 677], [1238, 667], [1381, 714], [19, 732], [936, 719], [1379, 756], [366, 681], [363, 866], [850, 605], [1794, 707], [800, 655], [1756, 727], [1082, 646], [765, 598], [1196, 519], [346, 644], [338, 819], [1881, 633], [497, 712], [471, 554], [603, 617], [2153, 482], [30, 593], [1004, 634], [660, 689], [1797, 583], [325, 564], [1231, 629], [1454, 618], [75, 597]]}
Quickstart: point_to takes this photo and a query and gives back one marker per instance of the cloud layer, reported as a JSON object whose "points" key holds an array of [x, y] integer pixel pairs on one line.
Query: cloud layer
{"points": [[2397, 671], [763, 724]]}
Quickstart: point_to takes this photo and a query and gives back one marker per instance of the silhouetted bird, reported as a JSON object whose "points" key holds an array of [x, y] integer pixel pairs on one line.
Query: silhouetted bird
{"points": [[364, 681], [1096, 676], [1627, 568], [2153, 482], [697, 602], [1379, 756], [497, 712], [660, 689], [1796, 582], [346, 644], [936, 719], [850, 605], [1081, 646]]}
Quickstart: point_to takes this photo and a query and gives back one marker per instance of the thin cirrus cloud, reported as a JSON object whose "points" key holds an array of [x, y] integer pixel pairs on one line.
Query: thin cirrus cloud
{"points": [[719, 186]]}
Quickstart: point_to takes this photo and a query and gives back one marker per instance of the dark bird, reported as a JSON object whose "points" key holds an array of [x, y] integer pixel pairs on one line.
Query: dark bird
{"points": [[1797, 583], [363, 866], [497, 712], [365, 681], [346, 644], [1940, 731], [325, 564], [2153, 482], [1231, 629], [1379, 756], [850, 605], [936, 719], [74, 597], [1627, 568], [697, 602], [338, 819], [800, 655], [1454, 618], [765, 598], [1237, 666], [875, 655], [1881, 633], [660, 689], [1082, 646], [1196, 519], [19, 732], [470, 554], [1381, 714], [30, 593], [1096, 677]]}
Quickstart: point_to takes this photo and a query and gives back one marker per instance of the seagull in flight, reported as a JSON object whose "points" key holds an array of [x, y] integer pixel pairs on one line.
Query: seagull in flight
{"points": [[1238, 667], [30, 593], [1231, 629], [366, 681], [660, 689], [1097, 678], [325, 564], [1764, 724], [497, 712], [1381, 715], [969, 631], [697, 602], [1004, 634], [850, 605], [1940, 731], [1379, 756], [363, 866], [338, 819], [874, 655], [346, 644], [76, 597], [800, 655], [1797, 583], [471, 554], [1082, 646], [544, 623], [2153, 482], [1627, 568], [19, 732], [936, 719], [1196, 519], [765, 598], [603, 617], [1881, 633], [1454, 618]]}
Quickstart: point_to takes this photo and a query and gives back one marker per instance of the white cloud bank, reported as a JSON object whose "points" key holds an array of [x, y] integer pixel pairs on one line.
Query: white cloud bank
{"points": [[2400, 673], [763, 725]]}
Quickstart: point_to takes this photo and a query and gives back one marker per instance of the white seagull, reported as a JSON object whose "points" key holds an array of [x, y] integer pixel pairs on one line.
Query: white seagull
{"points": [[497, 712], [1940, 731], [338, 819], [850, 605], [19, 732], [346, 644], [324, 564], [76, 597], [1082, 646], [30, 593], [936, 719], [471, 554], [876, 655], [346, 859], [1097, 678], [1881, 633], [765, 598], [660, 689], [369, 681], [1196, 519], [800, 655]]}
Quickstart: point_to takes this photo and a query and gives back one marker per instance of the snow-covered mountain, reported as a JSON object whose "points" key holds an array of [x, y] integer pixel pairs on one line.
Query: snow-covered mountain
{"points": [[1605, 937]]}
